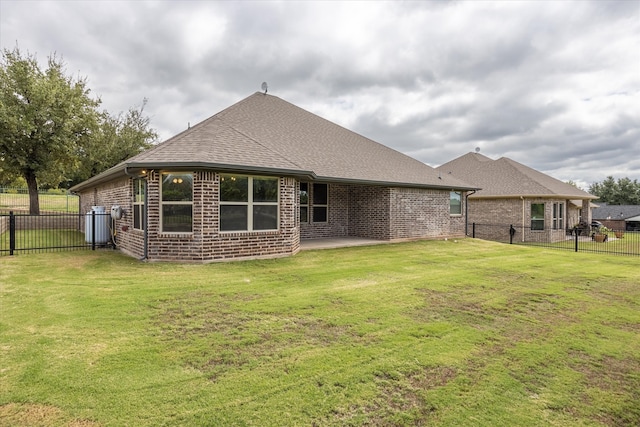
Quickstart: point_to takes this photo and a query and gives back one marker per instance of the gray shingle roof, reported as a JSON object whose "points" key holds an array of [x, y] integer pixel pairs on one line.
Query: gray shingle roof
{"points": [[615, 212], [265, 134], [507, 178]]}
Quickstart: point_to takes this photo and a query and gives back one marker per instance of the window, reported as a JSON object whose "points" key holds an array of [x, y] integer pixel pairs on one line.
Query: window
{"points": [[304, 202], [558, 216], [248, 203], [455, 203], [138, 204], [537, 216], [176, 202], [320, 204]]}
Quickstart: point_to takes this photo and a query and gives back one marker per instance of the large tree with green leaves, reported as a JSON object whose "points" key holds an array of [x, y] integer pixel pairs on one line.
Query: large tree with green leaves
{"points": [[115, 139], [51, 131], [44, 116], [620, 192]]}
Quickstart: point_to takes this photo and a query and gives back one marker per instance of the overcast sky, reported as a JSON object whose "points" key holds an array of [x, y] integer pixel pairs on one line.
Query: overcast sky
{"points": [[553, 85]]}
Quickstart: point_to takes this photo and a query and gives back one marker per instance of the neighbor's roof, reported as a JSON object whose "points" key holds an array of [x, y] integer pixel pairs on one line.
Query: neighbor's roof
{"points": [[620, 212], [267, 135], [507, 178]]}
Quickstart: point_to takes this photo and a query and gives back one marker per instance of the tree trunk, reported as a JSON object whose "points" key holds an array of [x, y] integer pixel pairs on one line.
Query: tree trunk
{"points": [[32, 185]]}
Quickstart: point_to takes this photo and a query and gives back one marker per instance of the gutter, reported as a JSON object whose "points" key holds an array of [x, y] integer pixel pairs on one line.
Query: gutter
{"points": [[466, 212], [522, 198]]}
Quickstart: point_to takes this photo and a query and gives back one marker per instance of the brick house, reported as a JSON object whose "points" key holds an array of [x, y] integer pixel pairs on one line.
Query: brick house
{"points": [[618, 217], [540, 207], [256, 178]]}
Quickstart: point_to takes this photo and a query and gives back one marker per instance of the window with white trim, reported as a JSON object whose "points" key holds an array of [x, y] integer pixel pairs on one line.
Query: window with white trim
{"points": [[248, 203], [537, 216], [176, 202], [455, 203], [304, 202], [558, 216], [138, 204], [320, 197]]}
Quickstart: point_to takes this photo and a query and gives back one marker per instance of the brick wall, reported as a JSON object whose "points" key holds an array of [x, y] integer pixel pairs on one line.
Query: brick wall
{"points": [[374, 212], [120, 193], [386, 213], [507, 212], [337, 224], [206, 243], [423, 213]]}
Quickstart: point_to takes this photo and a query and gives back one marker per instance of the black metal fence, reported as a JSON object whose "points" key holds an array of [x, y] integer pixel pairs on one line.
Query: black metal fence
{"points": [[51, 201], [587, 239], [24, 233]]}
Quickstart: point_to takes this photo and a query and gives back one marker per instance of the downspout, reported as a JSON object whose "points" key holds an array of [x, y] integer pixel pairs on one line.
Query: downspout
{"points": [[522, 197], [466, 212], [145, 249]]}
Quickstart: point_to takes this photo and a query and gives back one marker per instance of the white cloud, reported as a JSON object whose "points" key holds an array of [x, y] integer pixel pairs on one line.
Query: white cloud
{"points": [[554, 85]]}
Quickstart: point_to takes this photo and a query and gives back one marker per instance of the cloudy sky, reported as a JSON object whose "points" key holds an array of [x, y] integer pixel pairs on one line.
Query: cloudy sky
{"points": [[551, 84]]}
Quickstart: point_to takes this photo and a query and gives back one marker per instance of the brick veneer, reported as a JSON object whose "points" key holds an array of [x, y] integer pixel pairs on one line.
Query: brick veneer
{"points": [[205, 243], [505, 212], [386, 213], [375, 212]]}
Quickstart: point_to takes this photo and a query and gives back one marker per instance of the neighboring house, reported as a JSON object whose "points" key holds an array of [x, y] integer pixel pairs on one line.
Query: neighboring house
{"points": [[540, 207], [256, 178], [618, 217]]}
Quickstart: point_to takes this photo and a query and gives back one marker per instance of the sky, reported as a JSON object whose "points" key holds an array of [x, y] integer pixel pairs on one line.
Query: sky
{"points": [[554, 85]]}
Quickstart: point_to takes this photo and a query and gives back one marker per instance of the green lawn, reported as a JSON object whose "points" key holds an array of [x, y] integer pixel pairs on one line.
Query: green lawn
{"points": [[438, 333], [48, 202]]}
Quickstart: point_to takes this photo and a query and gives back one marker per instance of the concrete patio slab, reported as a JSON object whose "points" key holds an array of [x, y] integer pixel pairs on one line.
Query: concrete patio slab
{"points": [[337, 242]]}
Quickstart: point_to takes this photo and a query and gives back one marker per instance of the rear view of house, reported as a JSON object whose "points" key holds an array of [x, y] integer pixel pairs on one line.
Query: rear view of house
{"points": [[256, 178], [540, 206]]}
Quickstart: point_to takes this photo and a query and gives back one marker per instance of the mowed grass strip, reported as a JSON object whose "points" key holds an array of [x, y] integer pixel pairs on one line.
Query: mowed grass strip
{"points": [[441, 333]]}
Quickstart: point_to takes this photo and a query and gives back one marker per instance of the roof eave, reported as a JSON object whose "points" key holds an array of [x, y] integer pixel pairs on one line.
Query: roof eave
{"points": [[392, 183], [136, 168], [533, 196]]}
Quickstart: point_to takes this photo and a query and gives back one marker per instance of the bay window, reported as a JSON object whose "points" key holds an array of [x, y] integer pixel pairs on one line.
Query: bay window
{"points": [[176, 200], [248, 203]]}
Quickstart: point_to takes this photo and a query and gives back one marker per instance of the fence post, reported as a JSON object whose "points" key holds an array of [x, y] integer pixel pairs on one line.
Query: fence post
{"points": [[473, 230], [575, 231], [12, 232], [512, 232], [93, 230]]}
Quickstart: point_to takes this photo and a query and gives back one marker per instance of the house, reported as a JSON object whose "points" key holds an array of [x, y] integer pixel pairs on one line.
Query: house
{"points": [[260, 176], [618, 217], [540, 207]]}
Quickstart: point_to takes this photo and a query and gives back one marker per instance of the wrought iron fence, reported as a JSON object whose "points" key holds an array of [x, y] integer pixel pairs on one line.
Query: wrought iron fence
{"points": [[51, 201], [24, 233], [587, 239]]}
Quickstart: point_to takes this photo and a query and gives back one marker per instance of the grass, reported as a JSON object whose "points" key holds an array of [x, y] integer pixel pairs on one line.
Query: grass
{"points": [[52, 203], [629, 244], [427, 333]]}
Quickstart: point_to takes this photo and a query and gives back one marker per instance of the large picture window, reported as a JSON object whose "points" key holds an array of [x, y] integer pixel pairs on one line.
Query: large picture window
{"points": [[177, 202], [138, 204], [248, 203], [537, 216], [558, 216], [455, 203]]}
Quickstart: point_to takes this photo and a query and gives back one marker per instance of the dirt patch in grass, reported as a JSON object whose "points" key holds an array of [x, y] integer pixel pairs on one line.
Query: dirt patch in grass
{"points": [[34, 415], [401, 399], [619, 379], [235, 336]]}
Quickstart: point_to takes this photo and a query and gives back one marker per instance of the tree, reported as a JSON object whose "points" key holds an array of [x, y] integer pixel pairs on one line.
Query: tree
{"points": [[116, 138], [44, 117], [620, 192]]}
